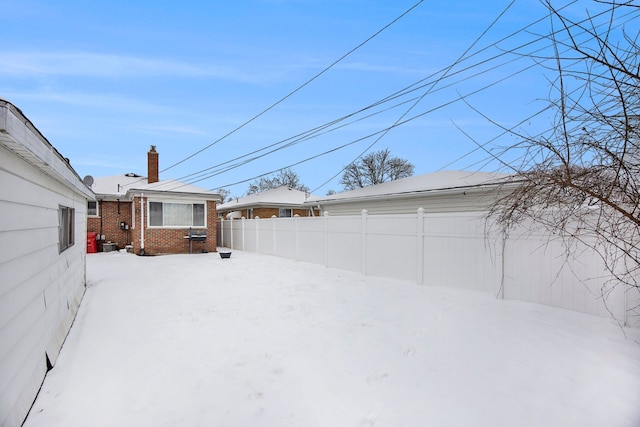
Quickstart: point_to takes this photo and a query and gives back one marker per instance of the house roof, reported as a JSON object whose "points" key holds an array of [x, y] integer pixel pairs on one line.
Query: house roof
{"points": [[275, 197], [20, 136], [126, 185], [415, 185]]}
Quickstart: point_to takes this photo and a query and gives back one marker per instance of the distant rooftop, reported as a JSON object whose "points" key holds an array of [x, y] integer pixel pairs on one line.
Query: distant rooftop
{"points": [[281, 196], [443, 180]]}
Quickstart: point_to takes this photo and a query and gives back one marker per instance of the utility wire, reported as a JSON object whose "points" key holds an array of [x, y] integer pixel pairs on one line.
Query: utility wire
{"points": [[402, 92], [443, 76], [310, 134], [297, 89]]}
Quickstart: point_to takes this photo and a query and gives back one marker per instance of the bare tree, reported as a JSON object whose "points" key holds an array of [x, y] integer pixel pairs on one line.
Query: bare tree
{"points": [[285, 177], [581, 181], [224, 194], [375, 168]]}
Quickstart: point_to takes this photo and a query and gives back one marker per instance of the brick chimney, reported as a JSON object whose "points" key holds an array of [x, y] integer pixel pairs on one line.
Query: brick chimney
{"points": [[152, 165]]}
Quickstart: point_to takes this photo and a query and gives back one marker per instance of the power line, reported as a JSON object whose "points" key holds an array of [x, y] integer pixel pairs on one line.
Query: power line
{"points": [[323, 129], [296, 89], [411, 88]]}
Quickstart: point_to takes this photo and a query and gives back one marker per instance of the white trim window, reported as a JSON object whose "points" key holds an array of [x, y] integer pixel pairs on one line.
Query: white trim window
{"points": [[173, 214], [66, 232], [92, 208], [285, 213]]}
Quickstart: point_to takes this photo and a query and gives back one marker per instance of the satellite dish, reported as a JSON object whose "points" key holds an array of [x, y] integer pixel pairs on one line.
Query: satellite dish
{"points": [[88, 180]]}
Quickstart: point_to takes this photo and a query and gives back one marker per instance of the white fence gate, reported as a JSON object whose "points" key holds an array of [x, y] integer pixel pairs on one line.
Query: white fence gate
{"points": [[444, 249]]}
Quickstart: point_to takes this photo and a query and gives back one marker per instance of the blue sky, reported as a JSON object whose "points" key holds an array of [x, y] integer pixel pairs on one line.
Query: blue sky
{"points": [[105, 80]]}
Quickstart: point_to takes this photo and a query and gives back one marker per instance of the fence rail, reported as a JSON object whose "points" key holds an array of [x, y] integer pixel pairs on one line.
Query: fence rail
{"points": [[452, 249]]}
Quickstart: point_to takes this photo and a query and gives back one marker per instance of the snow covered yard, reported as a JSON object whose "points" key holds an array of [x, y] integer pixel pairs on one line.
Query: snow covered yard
{"points": [[195, 340]]}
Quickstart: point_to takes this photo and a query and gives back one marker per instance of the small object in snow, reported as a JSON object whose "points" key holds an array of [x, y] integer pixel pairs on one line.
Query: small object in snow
{"points": [[225, 254]]}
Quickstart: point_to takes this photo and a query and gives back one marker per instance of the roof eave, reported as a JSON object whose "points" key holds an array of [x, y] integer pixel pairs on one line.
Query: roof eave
{"points": [[132, 192], [35, 149]]}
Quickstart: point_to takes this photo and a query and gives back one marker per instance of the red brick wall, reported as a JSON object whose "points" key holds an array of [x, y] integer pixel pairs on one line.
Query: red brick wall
{"points": [[152, 165], [171, 240], [108, 223]]}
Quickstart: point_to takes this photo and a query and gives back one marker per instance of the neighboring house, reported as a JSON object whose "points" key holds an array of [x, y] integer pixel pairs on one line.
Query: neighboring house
{"points": [[279, 202], [43, 206], [446, 191], [152, 216]]}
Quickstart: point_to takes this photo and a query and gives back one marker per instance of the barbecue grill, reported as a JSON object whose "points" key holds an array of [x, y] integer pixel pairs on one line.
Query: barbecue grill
{"points": [[196, 236]]}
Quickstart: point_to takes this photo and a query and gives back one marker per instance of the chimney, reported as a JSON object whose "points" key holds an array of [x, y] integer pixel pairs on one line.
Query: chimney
{"points": [[152, 165]]}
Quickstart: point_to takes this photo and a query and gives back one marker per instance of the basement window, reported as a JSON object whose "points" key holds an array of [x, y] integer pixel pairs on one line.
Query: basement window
{"points": [[65, 227], [165, 214]]}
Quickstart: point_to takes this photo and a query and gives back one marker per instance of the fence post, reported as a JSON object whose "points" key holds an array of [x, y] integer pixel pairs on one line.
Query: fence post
{"points": [[295, 231], [363, 251], [222, 231], [257, 220], [243, 242], [231, 228], [420, 247], [274, 247], [326, 238]]}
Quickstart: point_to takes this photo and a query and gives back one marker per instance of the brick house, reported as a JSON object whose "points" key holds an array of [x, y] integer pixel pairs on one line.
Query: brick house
{"points": [[152, 216], [279, 202]]}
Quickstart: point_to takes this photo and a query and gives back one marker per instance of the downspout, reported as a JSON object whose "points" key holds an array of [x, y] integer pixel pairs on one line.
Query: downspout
{"points": [[142, 224], [101, 231]]}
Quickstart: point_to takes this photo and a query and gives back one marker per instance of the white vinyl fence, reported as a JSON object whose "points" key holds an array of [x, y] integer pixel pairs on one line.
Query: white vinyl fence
{"points": [[443, 249]]}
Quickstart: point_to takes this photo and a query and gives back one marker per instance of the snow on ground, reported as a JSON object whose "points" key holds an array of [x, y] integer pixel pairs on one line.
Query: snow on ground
{"points": [[195, 340]]}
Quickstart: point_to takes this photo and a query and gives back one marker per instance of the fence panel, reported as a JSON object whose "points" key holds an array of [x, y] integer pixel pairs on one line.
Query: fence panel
{"points": [[344, 242], [391, 243], [285, 240], [457, 254], [311, 240], [452, 249], [537, 270]]}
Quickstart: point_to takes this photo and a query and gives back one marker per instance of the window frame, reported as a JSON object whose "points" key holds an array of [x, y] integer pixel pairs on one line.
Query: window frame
{"points": [[66, 228], [178, 202], [283, 210], [97, 214]]}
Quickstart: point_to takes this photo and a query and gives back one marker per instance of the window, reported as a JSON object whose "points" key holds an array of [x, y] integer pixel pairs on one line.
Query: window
{"points": [[163, 214], [92, 208], [284, 213], [65, 227], [249, 213]]}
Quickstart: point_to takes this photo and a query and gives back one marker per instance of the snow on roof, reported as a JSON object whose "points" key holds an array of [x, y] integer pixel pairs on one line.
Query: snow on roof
{"points": [[121, 185], [443, 180], [281, 196]]}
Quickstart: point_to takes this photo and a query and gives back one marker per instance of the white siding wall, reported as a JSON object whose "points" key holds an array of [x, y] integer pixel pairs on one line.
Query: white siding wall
{"points": [[40, 288], [441, 249]]}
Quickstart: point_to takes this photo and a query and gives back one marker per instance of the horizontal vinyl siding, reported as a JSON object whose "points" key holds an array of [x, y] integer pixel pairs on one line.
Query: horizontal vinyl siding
{"points": [[41, 289], [430, 202]]}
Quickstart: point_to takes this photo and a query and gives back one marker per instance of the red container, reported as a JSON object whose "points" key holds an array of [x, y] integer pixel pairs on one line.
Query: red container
{"points": [[92, 243]]}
